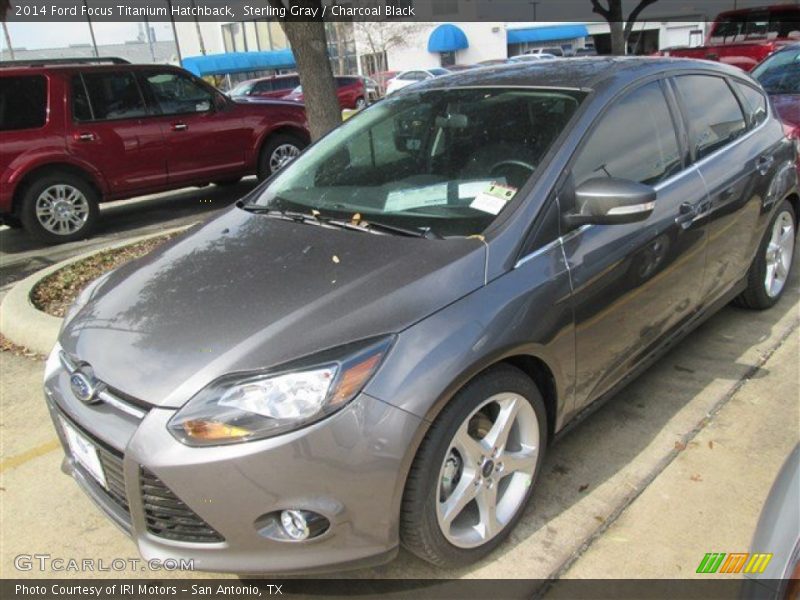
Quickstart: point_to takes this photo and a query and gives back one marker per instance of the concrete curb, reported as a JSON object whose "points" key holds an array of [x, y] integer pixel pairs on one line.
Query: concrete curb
{"points": [[24, 324]]}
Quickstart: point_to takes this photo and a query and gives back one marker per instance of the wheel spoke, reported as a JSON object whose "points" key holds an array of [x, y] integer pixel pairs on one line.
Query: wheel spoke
{"points": [[524, 462], [468, 447], [498, 434], [487, 509], [463, 494]]}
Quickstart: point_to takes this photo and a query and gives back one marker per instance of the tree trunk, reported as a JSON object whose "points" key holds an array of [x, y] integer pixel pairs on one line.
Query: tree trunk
{"points": [[310, 48], [618, 45]]}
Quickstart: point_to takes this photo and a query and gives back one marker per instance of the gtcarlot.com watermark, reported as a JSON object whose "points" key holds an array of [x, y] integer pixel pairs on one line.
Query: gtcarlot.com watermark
{"points": [[60, 564]]}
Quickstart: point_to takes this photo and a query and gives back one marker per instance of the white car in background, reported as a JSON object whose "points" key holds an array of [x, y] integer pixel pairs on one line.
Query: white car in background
{"points": [[406, 78], [531, 57]]}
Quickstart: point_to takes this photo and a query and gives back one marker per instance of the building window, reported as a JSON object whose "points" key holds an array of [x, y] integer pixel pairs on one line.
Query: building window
{"points": [[448, 59]]}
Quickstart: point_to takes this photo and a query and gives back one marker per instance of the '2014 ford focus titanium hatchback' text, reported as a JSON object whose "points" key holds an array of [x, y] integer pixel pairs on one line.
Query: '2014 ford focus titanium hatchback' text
{"points": [[376, 346]]}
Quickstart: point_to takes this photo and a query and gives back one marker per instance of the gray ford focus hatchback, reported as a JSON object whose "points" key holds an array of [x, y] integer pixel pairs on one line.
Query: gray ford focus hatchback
{"points": [[376, 346]]}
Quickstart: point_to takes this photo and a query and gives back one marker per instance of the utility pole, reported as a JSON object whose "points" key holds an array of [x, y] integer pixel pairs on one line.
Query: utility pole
{"points": [[8, 41], [174, 33], [91, 30]]}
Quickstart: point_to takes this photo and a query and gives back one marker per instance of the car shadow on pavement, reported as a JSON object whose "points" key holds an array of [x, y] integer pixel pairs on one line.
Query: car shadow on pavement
{"points": [[604, 462]]}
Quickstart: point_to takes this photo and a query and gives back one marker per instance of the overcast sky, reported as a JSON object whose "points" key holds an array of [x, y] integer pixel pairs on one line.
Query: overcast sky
{"points": [[34, 36]]}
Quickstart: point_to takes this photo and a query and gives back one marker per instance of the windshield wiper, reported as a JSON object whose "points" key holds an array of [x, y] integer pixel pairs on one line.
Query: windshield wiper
{"points": [[317, 219], [373, 227], [286, 215]]}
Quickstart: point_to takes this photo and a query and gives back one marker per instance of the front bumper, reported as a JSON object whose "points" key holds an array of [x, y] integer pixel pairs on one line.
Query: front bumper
{"points": [[349, 467]]}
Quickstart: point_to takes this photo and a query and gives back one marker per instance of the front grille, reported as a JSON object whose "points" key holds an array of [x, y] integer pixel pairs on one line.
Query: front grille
{"points": [[111, 460], [168, 517]]}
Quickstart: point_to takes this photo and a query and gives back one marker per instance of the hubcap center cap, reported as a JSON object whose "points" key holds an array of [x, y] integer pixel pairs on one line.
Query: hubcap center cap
{"points": [[487, 468]]}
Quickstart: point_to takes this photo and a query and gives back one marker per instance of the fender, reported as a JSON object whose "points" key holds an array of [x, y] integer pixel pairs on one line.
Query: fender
{"points": [[300, 127], [24, 165]]}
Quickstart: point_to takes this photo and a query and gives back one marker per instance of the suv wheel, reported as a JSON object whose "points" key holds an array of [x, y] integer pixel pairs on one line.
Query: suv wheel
{"points": [[766, 280], [361, 103], [278, 152], [475, 469], [59, 207]]}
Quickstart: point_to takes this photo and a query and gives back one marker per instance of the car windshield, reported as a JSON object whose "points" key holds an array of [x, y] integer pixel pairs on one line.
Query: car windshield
{"points": [[241, 89], [780, 73], [444, 161]]}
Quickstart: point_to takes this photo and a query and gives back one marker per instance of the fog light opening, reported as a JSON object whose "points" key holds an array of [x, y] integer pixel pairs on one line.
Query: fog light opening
{"points": [[295, 525], [292, 525]]}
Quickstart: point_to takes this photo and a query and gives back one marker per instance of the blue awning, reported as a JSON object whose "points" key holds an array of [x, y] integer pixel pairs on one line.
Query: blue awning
{"points": [[239, 62], [546, 33], [447, 38]]}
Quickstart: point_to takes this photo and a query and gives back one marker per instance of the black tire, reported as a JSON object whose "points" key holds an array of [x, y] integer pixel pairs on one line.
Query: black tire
{"points": [[227, 182], [755, 296], [420, 532], [361, 103], [265, 170], [36, 228], [11, 221]]}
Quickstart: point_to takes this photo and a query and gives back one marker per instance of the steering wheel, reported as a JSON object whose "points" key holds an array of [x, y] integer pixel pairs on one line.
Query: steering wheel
{"points": [[512, 163]]}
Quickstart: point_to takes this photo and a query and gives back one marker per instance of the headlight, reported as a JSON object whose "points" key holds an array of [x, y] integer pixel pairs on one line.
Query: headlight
{"points": [[254, 406]]}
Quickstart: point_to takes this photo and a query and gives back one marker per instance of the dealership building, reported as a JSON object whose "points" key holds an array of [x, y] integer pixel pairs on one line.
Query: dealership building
{"points": [[239, 50]]}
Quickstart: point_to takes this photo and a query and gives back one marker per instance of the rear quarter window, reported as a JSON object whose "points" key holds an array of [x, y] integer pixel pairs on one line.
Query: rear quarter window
{"points": [[23, 102], [754, 103], [715, 117]]}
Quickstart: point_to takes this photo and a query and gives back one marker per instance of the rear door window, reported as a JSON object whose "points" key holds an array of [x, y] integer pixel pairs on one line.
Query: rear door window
{"points": [[23, 102], [112, 96], [715, 117], [634, 140]]}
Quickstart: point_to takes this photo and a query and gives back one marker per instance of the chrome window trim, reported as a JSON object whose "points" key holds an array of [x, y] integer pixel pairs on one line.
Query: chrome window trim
{"points": [[559, 241]]}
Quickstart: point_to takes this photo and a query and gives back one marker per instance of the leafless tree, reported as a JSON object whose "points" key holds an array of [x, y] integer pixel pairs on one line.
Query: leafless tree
{"points": [[621, 27], [382, 36]]}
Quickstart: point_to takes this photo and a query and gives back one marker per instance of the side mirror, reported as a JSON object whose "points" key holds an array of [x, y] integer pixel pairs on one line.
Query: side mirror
{"points": [[610, 201]]}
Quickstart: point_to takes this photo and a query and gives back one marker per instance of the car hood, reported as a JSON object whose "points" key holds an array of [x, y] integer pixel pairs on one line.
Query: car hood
{"points": [[788, 108], [246, 291]]}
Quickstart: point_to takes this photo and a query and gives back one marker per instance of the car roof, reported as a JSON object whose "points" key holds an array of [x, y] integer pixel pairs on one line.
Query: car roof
{"points": [[11, 69], [585, 73]]}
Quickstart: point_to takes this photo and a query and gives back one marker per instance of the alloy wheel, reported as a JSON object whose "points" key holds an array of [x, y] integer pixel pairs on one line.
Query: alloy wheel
{"points": [[780, 250], [62, 209], [487, 470], [282, 156]]}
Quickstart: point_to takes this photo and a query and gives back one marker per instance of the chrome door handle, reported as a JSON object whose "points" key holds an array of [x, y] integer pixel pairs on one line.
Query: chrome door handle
{"points": [[85, 137], [179, 127], [764, 164], [686, 214]]}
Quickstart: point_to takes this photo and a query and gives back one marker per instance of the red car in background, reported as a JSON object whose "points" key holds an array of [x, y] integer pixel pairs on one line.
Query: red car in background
{"points": [[266, 87], [351, 91], [780, 76], [75, 134], [745, 37]]}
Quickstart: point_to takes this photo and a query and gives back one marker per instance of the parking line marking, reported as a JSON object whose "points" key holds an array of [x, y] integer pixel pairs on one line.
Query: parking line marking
{"points": [[21, 459]]}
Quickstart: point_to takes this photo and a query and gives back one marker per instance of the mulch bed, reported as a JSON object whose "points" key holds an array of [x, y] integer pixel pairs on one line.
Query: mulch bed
{"points": [[55, 293]]}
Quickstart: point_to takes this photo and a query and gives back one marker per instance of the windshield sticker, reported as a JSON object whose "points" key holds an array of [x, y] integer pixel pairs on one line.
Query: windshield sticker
{"points": [[470, 189], [431, 195], [494, 198]]}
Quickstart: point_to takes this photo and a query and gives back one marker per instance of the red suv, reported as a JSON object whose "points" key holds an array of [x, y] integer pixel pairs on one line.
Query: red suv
{"points": [[266, 87], [75, 135], [351, 92]]}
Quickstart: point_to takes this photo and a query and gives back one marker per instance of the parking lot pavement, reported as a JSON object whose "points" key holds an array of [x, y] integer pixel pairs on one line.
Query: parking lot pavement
{"points": [[728, 383], [20, 255], [708, 499]]}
